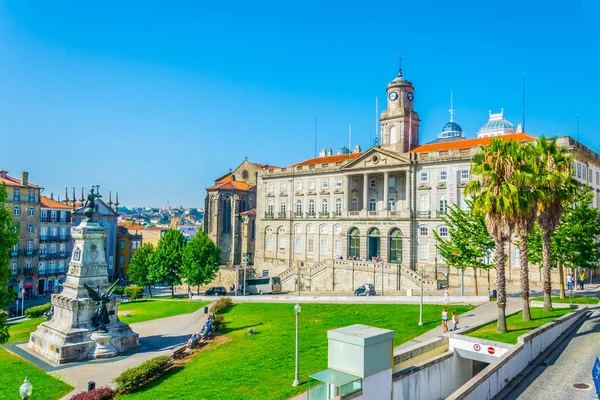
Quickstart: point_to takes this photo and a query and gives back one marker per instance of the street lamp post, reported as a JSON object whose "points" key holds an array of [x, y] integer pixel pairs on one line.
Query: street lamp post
{"points": [[381, 278], [421, 307], [245, 265], [298, 281], [25, 389], [462, 282], [297, 310]]}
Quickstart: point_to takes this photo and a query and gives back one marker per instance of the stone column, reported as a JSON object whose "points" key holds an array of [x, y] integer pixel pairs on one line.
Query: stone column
{"points": [[386, 190], [346, 204], [365, 191]]}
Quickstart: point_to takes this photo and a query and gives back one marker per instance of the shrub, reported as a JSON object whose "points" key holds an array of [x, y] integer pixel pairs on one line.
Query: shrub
{"points": [[251, 331], [134, 377], [119, 290], [38, 311], [134, 292], [222, 305], [103, 393], [219, 323]]}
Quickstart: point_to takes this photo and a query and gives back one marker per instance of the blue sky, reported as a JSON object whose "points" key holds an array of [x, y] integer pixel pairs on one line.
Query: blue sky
{"points": [[156, 99]]}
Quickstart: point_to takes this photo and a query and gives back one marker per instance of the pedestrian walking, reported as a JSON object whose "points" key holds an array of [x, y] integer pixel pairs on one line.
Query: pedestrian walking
{"points": [[446, 296], [569, 282], [581, 280], [190, 294], [454, 321], [445, 319]]}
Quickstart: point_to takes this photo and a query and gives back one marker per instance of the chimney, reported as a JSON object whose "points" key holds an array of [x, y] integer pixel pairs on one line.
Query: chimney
{"points": [[519, 128], [51, 196], [356, 149], [3, 173], [322, 153], [329, 152], [25, 180]]}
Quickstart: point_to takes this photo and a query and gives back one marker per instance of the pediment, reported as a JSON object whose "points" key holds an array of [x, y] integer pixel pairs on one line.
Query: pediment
{"points": [[377, 158]]}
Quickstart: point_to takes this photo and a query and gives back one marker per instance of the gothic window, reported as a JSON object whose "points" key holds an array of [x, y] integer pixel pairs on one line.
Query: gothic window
{"points": [[226, 223], [354, 243], [396, 246]]}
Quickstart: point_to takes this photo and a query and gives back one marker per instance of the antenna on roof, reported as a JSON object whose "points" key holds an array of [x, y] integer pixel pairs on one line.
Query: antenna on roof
{"points": [[399, 64], [376, 121], [578, 127], [349, 139], [451, 108], [523, 105], [316, 128]]}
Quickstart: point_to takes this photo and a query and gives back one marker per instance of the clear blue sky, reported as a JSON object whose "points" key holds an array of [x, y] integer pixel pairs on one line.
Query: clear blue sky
{"points": [[156, 99]]}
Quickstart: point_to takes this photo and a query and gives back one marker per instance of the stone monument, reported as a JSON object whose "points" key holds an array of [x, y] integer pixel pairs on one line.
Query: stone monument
{"points": [[84, 324]]}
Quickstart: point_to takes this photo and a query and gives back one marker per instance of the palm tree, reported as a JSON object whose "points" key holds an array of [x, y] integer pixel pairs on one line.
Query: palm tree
{"points": [[496, 197], [555, 174]]}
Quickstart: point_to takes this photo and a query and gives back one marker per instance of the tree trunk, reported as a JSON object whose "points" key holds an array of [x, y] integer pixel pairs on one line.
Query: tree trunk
{"points": [[475, 277], [547, 271], [501, 285], [150, 290], [172, 291], [523, 250], [198, 290], [561, 285]]}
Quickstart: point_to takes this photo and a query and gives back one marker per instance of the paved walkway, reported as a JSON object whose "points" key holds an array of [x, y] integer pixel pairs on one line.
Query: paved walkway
{"points": [[174, 332]]}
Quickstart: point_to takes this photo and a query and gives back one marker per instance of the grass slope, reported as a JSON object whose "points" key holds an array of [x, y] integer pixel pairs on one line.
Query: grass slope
{"points": [[262, 366], [517, 327], [576, 300], [20, 331], [13, 371], [147, 309]]}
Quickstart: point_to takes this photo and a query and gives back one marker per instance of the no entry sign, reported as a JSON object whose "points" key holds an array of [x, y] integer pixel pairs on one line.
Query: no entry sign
{"points": [[476, 347], [491, 350]]}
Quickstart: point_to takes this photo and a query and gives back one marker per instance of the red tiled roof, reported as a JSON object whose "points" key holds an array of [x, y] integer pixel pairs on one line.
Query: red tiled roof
{"points": [[467, 143], [49, 203], [328, 159], [10, 181], [231, 185]]}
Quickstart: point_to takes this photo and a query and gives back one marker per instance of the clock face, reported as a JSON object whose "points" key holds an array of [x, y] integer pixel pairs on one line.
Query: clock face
{"points": [[410, 96], [393, 96]]}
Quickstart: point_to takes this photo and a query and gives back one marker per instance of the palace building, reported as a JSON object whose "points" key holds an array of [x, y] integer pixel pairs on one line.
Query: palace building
{"points": [[338, 221]]}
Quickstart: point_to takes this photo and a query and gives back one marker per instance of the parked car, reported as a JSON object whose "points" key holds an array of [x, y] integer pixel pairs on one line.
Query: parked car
{"points": [[216, 291], [365, 290]]}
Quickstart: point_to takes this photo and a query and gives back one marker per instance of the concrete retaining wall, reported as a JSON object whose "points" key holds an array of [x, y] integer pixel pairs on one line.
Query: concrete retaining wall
{"points": [[489, 382], [419, 353], [351, 299]]}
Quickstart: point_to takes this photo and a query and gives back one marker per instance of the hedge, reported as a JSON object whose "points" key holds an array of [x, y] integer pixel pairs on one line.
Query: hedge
{"points": [[135, 377], [119, 290], [103, 393], [38, 311], [222, 305], [134, 292]]}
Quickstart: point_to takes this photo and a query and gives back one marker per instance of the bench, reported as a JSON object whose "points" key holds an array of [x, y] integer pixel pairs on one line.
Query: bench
{"points": [[179, 353]]}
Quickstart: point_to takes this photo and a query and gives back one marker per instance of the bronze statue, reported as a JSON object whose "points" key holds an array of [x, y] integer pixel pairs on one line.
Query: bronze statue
{"points": [[90, 204], [101, 317]]}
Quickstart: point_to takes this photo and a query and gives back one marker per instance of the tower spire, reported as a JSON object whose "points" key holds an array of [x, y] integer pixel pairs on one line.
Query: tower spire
{"points": [[109, 198], [451, 109], [399, 64]]}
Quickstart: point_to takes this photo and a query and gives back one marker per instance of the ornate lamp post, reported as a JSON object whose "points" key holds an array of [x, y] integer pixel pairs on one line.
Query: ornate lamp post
{"points": [[25, 389], [297, 309]]}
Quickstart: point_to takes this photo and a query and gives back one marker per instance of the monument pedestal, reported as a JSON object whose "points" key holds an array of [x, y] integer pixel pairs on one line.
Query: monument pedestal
{"points": [[70, 335]]}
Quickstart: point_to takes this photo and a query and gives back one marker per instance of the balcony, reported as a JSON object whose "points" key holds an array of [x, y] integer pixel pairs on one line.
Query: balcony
{"points": [[16, 198], [310, 214], [423, 214], [440, 213], [337, 214], [298, 214], [49, 256], [28, 253], [324, 214], [13, 253], [269, 215], [55, 238], [28, 271], [281, 214], [372, 212]]}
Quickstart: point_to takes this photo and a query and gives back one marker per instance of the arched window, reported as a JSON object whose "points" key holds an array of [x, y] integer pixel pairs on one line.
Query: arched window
{"points": [[281, 237], [373, 243], [393, 135], [226, 225], [338, 206], [310, 228], [324, 206], [354, 243], [311, 207], [443, 203], [324, 230], [269, 238], [298, 208], [396, 246], [424, 205]]}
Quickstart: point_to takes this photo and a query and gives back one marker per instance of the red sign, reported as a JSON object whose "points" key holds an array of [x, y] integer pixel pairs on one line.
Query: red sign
{"points": [[491, 350], [476, 347]]}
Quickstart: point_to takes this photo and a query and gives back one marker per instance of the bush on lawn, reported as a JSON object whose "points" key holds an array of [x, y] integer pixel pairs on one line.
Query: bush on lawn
{"points": [[219, 323], [222, 305], [134, 377], [134, 292], [38, 311], [103, 393], [119, 290]]}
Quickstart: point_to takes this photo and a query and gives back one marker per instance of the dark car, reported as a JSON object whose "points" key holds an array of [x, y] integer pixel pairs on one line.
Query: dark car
{"points": [[216, 291], [365, 290]]}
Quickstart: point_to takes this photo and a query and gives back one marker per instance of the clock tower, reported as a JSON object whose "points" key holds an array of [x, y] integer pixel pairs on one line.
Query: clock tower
{"points": [[399, 123]]}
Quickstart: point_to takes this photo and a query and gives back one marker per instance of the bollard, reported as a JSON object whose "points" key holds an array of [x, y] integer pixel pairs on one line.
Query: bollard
{"points": [[91, 385], [206, 310]]}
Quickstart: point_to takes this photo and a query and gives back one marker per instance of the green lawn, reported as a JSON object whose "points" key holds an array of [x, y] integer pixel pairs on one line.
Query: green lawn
{"points": [[13, 371], [517, 327], [20, 331], [147, 309], [262, 366], [576, 300]]}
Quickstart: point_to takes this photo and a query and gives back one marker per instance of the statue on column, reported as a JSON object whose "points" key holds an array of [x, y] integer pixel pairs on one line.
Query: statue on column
{"points": [[90, 204]]}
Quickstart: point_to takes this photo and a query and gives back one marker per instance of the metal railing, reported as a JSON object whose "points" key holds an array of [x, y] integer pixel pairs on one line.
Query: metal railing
{"points": [[269, 215], [423, 214]]}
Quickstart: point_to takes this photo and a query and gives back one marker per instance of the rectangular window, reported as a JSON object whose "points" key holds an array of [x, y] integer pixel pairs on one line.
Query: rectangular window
{"points": [[372, 205], [372, 183], [311, 207], [30, 228], [424, 177], [298, 207], [44, 231], [298, 246], [517, 257], [338, 183], [338, 206], [338, 246], [424, 250], [310, 228], [269, 242], [578, 170], [325, 184], [31, 212], [464, 174], [423, 231], [323, 246], [443, 175], [391, 181], [17, 194], [324, 206], [270, 188], [310, 246], [43, 249], [42, 266], [53, 231], [63, 248], [52, 249], [597, 178], [122, 259], [28, 263], [392, 204], [63, 233], [299, 186], [324, 230], [270, 208], [311, 185], [29, 245], [355, 205], [443, 231], [282, 206], [61, 266], [13, 266], [584, 170], [589, 175], [31, 195], [53, 216], [284, 186], [122, 244], [63, 216], [16, 210]]}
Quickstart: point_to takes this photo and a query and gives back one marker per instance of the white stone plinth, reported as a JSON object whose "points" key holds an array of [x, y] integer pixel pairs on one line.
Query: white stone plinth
{"points": [[102, 347]]}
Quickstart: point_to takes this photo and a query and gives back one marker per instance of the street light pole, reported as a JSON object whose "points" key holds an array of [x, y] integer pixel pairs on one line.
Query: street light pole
{"points": [[297, 310], [244, 264], [381, 279], [298, 281], [462, 282], [421, 307]]}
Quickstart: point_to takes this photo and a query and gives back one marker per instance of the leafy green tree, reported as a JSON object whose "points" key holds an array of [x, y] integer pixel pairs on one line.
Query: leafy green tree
{"points": [[573, 243], [140, 266], [556, 186], [168, 258], [495, 197], [468, 242], [201, 258], [8, 238]]}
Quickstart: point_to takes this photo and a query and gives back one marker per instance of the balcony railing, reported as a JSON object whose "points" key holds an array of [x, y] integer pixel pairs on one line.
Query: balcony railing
{"points": [[13, 253], [28, 253], [310, 214], [48, 255], [269, 215], [28, 271], [337, 214], [55, 238], [281, 214], [439, 213], [16, 198], [354, 212], [324, 214], [298, 214], [32, 199], [423, 214], [372, 212]]}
